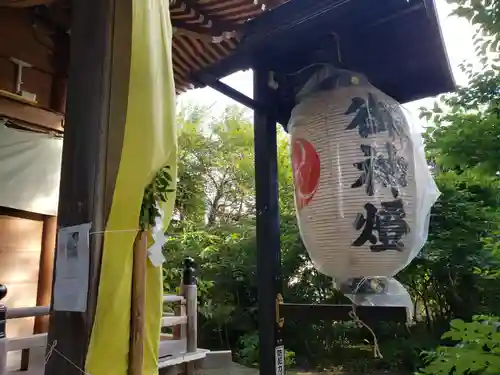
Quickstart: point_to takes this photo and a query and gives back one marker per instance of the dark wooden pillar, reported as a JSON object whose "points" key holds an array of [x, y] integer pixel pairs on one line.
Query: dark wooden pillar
{"points": [[268, 226], [95, 116]]}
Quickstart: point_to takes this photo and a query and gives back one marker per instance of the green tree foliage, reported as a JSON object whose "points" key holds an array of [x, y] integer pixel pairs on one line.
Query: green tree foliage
{"points": [[459, 266], [155, 194], [484, 15], [216, 175], [476, 349], [466, 126]]}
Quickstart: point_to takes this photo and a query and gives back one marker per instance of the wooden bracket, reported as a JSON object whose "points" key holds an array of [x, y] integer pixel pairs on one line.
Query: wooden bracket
{"points": [[279, 320]]}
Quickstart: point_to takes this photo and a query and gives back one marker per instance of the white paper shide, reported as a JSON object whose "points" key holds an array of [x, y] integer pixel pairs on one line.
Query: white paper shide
{"points": [[72, 268], [155, 253]]}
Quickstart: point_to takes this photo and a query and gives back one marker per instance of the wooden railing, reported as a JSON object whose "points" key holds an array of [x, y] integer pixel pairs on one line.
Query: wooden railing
{"points": [[182, 344], [36, 344], [179, 347]]}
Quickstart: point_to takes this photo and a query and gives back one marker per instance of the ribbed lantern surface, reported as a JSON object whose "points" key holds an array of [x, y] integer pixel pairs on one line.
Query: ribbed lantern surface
{"points": [[354, 175]]}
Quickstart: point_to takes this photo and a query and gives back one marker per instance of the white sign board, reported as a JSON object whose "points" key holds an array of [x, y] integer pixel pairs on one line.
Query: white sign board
{"points": [[280, 360], [30, 170], [72, 268]]}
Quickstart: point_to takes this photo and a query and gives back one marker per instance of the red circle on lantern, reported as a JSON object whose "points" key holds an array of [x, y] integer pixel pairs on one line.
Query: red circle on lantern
{"points": [[306, 171]]}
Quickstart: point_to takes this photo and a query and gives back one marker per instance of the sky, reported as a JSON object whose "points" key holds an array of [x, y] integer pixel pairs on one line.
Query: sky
{"points": [[457, 34]]}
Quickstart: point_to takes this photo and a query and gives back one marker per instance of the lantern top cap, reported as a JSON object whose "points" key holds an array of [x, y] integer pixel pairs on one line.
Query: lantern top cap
{"points": [[329, 78]]}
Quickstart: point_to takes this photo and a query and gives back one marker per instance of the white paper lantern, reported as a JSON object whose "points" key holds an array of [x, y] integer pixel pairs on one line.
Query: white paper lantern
{"points": [[361, 210]]}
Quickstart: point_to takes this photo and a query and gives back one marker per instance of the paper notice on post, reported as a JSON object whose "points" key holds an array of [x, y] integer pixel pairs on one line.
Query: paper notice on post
{"points": [[72, 268]]}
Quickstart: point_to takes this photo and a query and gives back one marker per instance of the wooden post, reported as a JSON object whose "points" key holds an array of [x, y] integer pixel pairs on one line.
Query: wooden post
{"points": [[178, 331], [190, 294], [137, 318], [44, 288], [3, 339], [96, 110], [268, 227]]}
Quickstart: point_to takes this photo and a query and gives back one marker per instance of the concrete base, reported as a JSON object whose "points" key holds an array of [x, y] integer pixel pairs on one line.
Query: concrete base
{"points": [[217, 360]]}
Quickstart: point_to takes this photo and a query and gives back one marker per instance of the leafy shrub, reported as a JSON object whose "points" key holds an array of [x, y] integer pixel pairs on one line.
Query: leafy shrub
{"points": [[402, 346], [248, 354], [475, 349]]}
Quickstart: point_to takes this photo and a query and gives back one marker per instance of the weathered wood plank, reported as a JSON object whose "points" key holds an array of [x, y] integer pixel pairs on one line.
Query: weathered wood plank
{"points": [[170, 321], [137, 313], [27, 113]]}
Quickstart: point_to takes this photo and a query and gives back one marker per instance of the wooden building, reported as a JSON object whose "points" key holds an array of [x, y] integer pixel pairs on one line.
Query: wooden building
{"points": [[31, 99]]}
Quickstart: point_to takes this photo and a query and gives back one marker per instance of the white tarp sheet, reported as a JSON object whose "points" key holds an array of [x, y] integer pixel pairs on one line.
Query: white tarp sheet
{"points": [[30, 170]]}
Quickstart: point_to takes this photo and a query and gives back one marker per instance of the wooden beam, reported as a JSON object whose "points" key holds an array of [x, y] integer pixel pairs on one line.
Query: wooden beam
{"points": [[24, 3], [315, 312], [169, 298], [96, 112], [231, 92], [203, 20], [195, 28], [241, 98], [25, 312], [19, 111], [19, 343], [172, 321]]}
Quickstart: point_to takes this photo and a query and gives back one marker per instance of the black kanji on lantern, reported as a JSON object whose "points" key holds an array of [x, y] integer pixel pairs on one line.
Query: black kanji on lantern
{"points": [[372, 117], [388, 170], [389, 224], [366, 168], [368, 224]]}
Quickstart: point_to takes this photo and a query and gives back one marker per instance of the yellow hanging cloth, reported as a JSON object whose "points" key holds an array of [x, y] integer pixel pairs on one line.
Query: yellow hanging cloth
{"points": [[149, 143]]}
